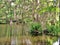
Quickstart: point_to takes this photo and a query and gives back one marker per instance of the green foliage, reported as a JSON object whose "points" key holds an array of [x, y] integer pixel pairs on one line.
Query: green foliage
{"points": [[2, 21], [35, 26], [28, 20], [48, 9], [53, 29]]}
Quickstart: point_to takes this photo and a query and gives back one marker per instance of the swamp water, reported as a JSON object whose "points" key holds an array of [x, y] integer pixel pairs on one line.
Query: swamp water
{"points": [[5, 37]]}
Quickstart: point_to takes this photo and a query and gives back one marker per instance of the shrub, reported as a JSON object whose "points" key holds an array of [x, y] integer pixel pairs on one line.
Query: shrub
{"points": [[53, 29], [35, 29]]}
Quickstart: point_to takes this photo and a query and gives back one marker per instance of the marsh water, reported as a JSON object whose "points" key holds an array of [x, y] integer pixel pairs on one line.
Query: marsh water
{"points": [[19, 35]]}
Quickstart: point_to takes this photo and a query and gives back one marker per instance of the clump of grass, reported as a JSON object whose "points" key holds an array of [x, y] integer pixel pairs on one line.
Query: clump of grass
{"points": [[35, 27]]}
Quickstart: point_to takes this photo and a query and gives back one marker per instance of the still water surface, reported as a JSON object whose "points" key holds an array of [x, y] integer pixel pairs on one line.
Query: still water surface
{"points": [[15, 31]]}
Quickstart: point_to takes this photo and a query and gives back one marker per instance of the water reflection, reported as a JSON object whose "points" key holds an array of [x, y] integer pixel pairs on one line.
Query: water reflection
{"points": [[13, 41], [26, 41]]}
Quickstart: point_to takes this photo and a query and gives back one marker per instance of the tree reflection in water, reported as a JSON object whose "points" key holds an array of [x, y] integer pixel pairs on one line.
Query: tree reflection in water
{"points": [[13, 41]]}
